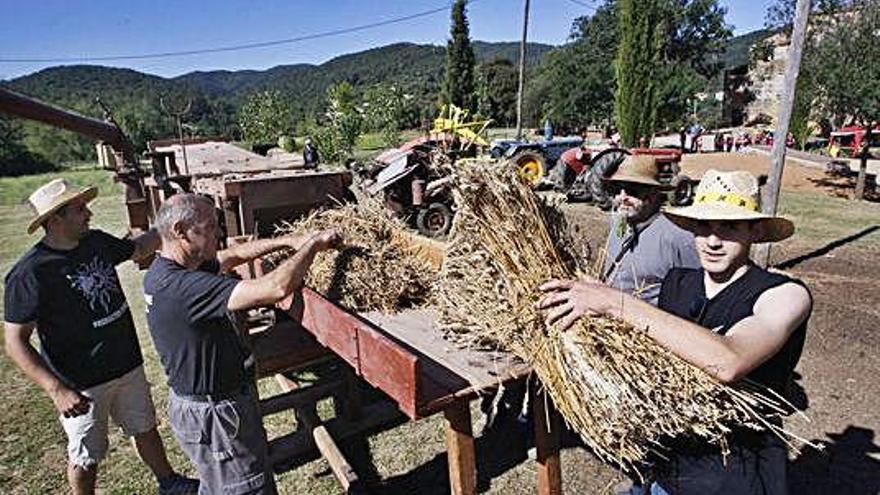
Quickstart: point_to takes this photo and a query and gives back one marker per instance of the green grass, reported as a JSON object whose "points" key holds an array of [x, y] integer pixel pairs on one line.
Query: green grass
{"points": [[821, 219], [15, 190]]}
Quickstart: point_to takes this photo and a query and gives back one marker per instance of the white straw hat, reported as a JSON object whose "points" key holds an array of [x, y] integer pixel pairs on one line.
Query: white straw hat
{"points": [[50, 197], [731, 196]]}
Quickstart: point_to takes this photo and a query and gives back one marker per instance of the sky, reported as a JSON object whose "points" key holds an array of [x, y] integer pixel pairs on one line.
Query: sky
{"points": [[74, 29]]}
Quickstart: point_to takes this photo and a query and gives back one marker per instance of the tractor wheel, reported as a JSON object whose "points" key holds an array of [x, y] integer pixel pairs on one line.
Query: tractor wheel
{"points": [[682, 193], [434, 220], [530, 166]]}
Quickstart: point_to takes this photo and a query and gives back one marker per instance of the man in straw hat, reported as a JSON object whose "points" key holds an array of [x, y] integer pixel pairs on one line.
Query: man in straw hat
{"points": [[212, 405], [730, 318], [66, 287], [643, 245]]}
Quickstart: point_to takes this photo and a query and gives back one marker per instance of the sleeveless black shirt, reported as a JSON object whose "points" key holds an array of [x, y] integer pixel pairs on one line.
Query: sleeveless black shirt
{"points": [[757, 461], [684, 294]]}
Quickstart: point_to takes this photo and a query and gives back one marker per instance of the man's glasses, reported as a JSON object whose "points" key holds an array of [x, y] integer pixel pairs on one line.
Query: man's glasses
{"points": [[632, 189]]}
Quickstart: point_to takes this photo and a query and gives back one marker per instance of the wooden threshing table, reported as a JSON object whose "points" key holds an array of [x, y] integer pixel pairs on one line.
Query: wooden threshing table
{"points": [[406, 357]]}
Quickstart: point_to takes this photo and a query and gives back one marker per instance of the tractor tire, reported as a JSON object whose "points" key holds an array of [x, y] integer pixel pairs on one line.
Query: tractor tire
{"points": [[682, 193], [434, 220], [530, 166], [604, 165]]}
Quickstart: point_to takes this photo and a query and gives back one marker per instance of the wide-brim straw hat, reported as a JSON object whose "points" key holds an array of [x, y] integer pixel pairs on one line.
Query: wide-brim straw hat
{"points": [[731, 196], [640, 169], [51, 196]]}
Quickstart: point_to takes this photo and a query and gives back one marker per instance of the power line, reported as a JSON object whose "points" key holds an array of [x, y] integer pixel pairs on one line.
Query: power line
{"points": [[232, 48], [584, 4]]}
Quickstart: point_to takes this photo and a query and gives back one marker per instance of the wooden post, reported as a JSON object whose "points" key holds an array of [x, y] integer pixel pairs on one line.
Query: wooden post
{"points": [[460, 449], [771, 192], [546, 442], [522, 72]]}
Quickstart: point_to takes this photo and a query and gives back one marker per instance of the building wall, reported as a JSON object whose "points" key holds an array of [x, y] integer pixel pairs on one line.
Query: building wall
{"points": [[766, 79]]}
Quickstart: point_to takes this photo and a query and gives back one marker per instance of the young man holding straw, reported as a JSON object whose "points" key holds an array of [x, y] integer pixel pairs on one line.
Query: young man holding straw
{"points": [[730, 318]]}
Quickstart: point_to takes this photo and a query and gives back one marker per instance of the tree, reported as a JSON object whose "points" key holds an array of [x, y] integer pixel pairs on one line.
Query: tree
{"points": [[780, 15], [801, 127], [264, 117], [387, 110], [636, 68], [845, 67], [15, 158], [576, 82], [458, 87], [496, 83], [336, 133]]}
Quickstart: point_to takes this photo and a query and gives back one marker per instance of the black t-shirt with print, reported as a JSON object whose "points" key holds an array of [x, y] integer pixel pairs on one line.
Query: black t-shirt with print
{"points": [[87, 335], [188, 318]]}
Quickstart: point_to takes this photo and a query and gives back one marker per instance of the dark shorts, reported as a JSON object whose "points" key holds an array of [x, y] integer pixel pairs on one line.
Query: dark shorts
{"points": [[226, 442], [756, 465]]}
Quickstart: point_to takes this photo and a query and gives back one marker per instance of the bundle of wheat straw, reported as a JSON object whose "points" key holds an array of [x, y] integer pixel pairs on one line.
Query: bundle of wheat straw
{"points": [[376, 270], [614, 385]]}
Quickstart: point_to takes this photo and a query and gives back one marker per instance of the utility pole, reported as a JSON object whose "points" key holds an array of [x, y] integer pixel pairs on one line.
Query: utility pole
{"points": [[770, 199], [178, 114], [522, 72]]}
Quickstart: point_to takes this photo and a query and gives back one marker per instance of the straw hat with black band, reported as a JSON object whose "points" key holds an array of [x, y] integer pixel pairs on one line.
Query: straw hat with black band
{"points": [[50, 197], [730, 196]]}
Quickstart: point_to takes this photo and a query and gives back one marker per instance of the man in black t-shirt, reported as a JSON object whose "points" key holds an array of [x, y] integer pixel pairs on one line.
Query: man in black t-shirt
{"points": [[90, 363], [730, 318], [212, 404]]}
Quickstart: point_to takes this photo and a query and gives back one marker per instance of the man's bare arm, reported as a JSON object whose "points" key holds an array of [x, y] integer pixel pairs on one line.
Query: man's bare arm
{"points": [[748, 344], [283, 280], [18, 346], [235, 255], [146, 244]]}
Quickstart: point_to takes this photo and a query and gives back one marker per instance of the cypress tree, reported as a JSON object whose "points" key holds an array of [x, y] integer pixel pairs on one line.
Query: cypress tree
{"points": [[458, 87], [639, 57]]}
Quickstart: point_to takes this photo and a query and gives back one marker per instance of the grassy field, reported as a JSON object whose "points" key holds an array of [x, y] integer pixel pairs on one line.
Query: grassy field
{"points": [[410, 457]]}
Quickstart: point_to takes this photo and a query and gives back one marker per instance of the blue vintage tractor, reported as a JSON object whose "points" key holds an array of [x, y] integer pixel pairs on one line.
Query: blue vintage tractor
{"points": [[533, 159]]}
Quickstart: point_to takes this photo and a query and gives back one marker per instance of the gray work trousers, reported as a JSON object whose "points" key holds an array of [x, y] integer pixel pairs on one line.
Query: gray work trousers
{"points": [[226, 442]]}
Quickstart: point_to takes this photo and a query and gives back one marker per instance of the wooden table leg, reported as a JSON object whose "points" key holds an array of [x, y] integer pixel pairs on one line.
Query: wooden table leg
{"points": [[546, 442], [460, 449]]}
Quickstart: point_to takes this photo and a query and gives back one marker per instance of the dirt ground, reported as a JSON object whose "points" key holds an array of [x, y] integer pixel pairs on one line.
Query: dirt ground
{"points": [[795, 177]]}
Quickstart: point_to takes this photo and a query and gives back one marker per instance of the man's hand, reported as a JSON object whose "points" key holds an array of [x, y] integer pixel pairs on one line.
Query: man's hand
{"points": [[69, 402], [568, 300], [327, 239]]}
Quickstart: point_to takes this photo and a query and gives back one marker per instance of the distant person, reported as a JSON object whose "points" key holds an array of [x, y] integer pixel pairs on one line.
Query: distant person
{"points": [[213, 407], [682, 139], [548, 130], [66, 288], [310, 154]]}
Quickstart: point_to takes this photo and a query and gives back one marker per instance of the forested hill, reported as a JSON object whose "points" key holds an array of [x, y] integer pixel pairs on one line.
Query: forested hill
{"points": [[215, 96]]}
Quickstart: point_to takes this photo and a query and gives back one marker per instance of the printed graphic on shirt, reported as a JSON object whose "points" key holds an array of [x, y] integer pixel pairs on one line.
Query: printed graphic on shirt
{"points": [[97, 283]]}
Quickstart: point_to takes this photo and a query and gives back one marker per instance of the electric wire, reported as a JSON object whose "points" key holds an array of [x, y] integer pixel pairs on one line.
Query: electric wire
{"points": [[231, 48]]}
